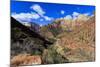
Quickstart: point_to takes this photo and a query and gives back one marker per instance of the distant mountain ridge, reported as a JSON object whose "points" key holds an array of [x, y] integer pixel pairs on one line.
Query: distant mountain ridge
{"points": [[60, 25]]}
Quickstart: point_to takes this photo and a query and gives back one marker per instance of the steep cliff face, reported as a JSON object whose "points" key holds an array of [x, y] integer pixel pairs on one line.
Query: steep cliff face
{"points": [[26, 41]]}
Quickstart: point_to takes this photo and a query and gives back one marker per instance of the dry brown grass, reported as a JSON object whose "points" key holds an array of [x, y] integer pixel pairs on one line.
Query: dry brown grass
{"points": [[25, 59]]}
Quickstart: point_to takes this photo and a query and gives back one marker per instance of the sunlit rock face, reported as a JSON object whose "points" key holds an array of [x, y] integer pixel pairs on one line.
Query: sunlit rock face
{"points": [[25, 59], [79, 44]]}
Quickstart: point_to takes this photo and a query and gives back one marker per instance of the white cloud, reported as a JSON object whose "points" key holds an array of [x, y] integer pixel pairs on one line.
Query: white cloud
{"points": [[68, 17], [86, 14], [41, 12], [48, 18], [62, 12], [80, 16], [75, 14], [38, 9], [41, 19], [26, 17]]}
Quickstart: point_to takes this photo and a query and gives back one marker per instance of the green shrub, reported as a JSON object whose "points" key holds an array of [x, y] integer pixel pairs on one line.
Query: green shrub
{"points": [[50, 56]]}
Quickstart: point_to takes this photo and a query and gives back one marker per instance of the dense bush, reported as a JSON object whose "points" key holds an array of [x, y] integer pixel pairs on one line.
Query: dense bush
{"points": [[51, 56]]}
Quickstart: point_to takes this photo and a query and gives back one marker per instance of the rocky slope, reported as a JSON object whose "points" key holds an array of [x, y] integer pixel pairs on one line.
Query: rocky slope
{"points": [[73, 40]]}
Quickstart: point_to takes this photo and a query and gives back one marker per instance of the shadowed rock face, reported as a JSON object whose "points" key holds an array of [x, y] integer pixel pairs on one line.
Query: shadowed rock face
{"points": [[26, 45], [24, 40]]}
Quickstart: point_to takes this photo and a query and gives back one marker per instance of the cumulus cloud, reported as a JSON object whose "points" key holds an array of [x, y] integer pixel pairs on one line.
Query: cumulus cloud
{"points": [[80, 16], [75, 14], [62, 12], [86, 14], [48, 18], [25, 17], [41, 19], [68, 17], [38, 9]]}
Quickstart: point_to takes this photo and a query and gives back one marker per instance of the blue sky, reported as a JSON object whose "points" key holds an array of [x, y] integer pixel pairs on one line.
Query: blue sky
{"points": [[44, 13]]}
